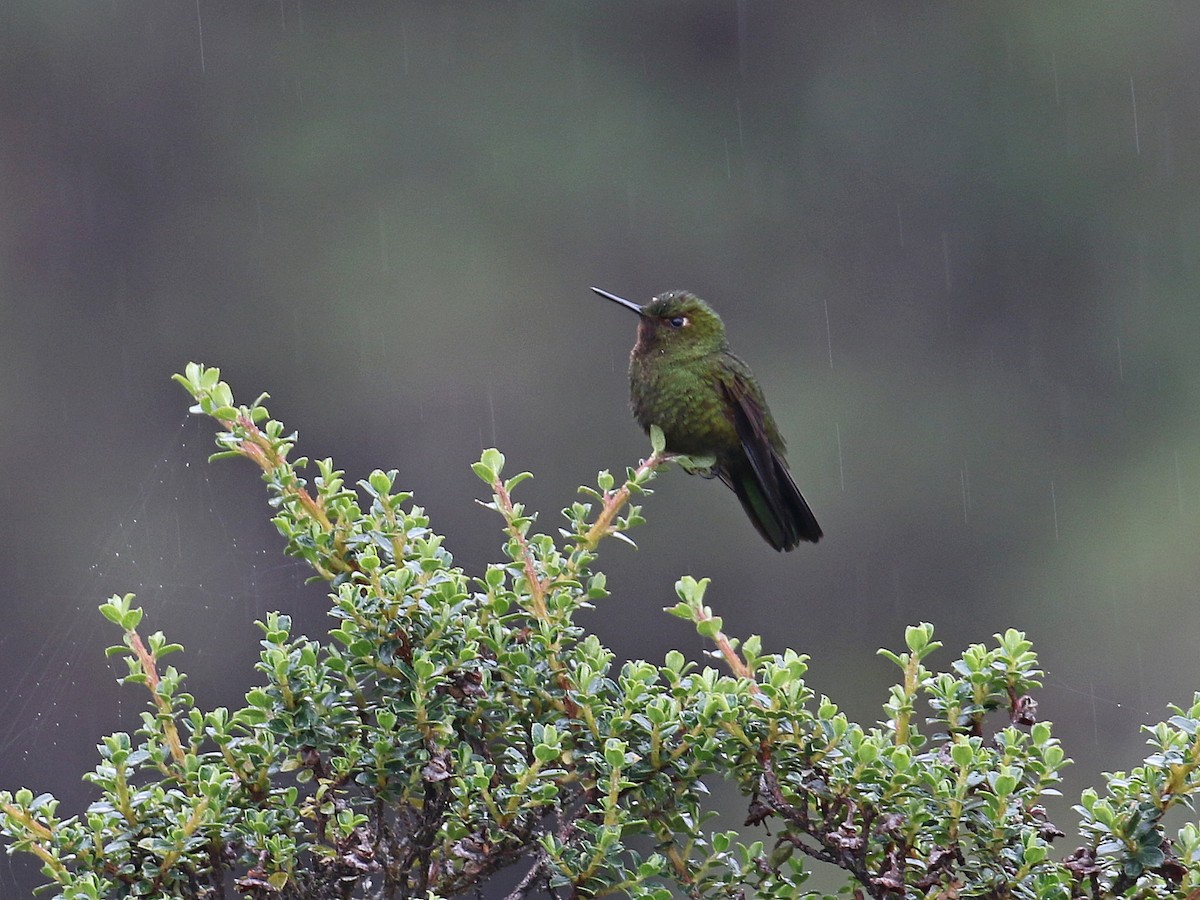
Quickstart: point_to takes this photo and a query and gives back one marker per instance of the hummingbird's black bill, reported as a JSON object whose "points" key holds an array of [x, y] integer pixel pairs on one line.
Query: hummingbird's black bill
{"points": [[628, 304]]}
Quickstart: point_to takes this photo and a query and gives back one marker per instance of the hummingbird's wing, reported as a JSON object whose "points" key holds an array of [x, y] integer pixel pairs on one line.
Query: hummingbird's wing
{"points": [[760, 477]]}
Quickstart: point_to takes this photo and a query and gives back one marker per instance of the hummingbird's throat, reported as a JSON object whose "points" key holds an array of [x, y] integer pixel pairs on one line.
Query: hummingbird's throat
{"points": [[648, 333]]}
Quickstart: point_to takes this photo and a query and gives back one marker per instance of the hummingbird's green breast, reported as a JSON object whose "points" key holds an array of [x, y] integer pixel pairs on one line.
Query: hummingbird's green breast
{"points": [[684, 399]]}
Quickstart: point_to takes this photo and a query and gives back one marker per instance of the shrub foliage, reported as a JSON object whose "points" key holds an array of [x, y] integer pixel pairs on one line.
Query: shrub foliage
{"points": [[452, 726]]}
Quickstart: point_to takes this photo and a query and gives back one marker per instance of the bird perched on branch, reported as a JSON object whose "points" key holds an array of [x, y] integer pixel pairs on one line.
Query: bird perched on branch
{"points": [[684, 378]]}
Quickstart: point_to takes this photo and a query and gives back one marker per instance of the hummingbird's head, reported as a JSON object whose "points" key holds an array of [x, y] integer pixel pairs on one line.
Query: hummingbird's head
{"points": [[675, 322]]}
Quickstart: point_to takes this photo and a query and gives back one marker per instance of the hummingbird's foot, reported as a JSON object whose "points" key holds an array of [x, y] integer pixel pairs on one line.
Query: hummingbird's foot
{"points": [[704, 466]]}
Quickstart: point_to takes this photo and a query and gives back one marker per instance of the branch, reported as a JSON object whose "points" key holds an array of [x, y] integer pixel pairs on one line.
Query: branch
{"points": [[537, 584], [614, 500], [527, 883], [149, 666], [733, 659]]}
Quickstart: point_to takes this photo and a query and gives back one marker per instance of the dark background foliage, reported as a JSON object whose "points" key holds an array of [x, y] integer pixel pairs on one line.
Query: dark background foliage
{"points": [[957, 242]]}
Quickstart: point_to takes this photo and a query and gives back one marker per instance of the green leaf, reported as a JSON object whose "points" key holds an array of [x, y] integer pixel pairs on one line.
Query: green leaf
{"points": [[710, 627], [919, 639], [690, 590], [381, 482], [614, 753], [489, 466], [963, 754], [658, 440]]}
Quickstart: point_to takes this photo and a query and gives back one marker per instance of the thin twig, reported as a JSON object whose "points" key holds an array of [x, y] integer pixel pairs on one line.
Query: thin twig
{"points": [[530, 879], [537, 593], [257, 446], [149, 665], [733, 659], [614, 500], [537, 585]]}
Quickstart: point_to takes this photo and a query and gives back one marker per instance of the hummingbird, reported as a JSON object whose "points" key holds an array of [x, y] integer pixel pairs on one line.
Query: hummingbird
{"points": [[684, 378]]}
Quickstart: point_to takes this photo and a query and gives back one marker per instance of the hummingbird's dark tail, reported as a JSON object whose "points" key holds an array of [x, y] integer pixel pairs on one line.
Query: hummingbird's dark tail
{"points": [[774, 504]]}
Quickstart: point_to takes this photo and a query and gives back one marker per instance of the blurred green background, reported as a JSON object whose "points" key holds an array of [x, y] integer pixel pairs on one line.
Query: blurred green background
{"points": [[959, 244]]}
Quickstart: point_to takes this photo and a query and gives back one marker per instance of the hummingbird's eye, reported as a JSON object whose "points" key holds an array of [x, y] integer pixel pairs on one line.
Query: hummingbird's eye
{"points": [[677, 321]]}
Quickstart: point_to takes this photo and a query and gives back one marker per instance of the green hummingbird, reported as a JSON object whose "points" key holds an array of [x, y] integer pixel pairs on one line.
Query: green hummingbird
{"points": [[684, 378]]}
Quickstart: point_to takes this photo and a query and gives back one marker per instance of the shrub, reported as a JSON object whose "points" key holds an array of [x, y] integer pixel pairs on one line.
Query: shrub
{"points": [[450, 727]]}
